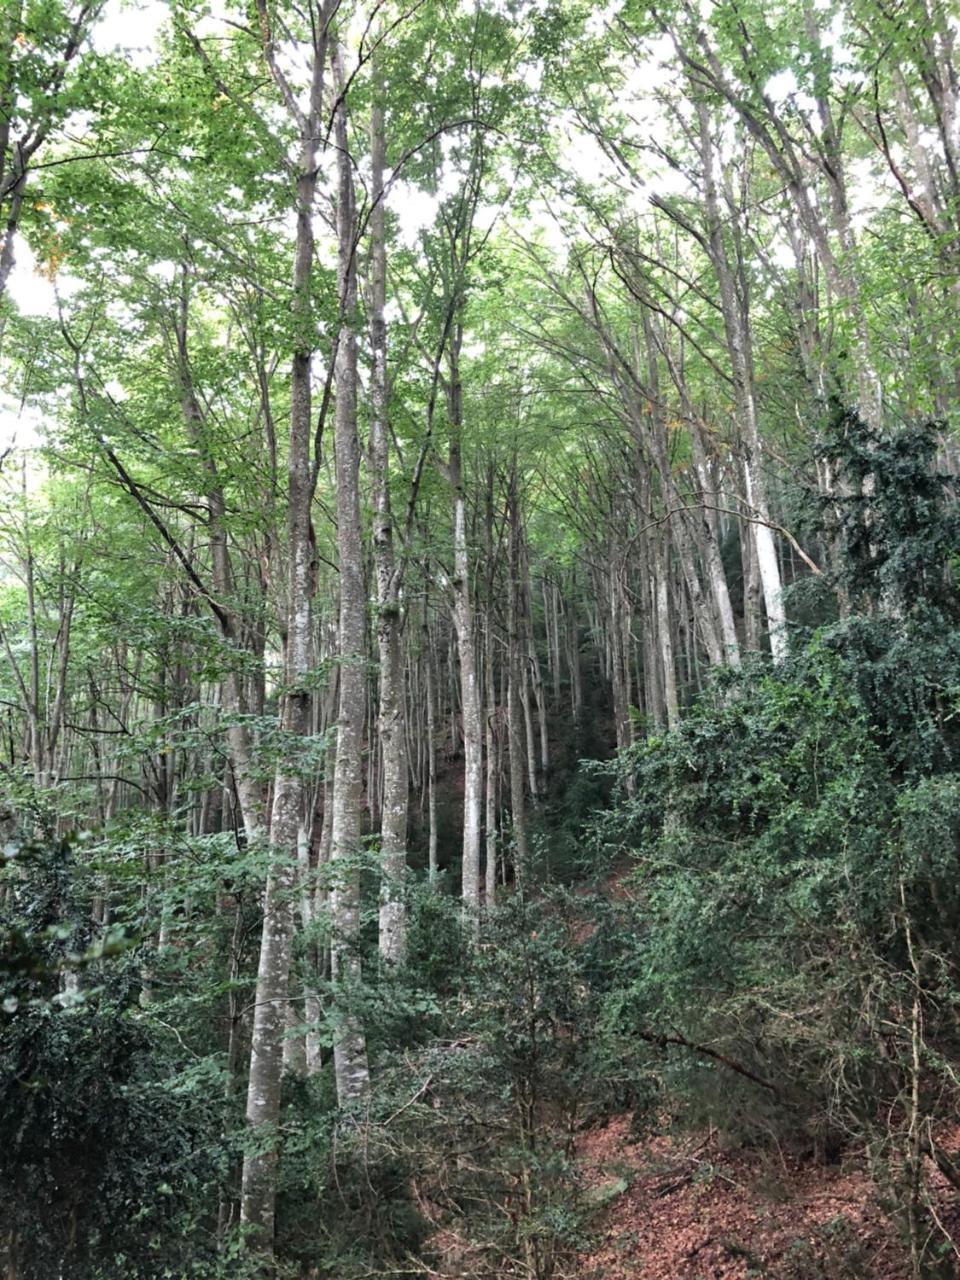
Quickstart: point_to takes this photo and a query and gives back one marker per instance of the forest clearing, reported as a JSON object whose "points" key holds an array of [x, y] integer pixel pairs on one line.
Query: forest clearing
{"points": [[479, 639]]}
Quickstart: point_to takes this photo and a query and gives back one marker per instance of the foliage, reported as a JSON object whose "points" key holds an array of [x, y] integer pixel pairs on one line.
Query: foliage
{"points": [[110, 1135], [669, 320], [796, 844], [488, 1114]]}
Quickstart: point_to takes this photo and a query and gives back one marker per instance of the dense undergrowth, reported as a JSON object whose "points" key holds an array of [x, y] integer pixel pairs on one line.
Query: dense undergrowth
{"points": [[776, 957]]}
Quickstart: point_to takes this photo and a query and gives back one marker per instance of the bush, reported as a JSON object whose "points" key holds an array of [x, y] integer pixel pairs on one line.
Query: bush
{"points": [[108, 1135], [797, 857]]}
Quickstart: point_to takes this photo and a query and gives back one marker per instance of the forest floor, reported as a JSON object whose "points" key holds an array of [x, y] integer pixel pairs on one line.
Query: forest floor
{"points": [[686, 1209]]}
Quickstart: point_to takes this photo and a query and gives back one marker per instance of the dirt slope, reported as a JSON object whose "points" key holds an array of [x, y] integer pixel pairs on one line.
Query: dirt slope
{"points": [[685, 1210]]}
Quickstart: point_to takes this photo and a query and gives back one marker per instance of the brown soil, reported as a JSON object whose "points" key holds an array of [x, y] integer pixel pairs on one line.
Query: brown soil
{"points": [[691, 1211], [685, 1208]]}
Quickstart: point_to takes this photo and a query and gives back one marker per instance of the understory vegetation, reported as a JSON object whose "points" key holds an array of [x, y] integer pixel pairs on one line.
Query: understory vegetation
{"points": [[479, 630], [774, 956]]}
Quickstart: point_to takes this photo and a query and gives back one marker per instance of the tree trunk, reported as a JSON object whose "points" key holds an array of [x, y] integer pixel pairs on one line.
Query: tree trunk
{"points": [[665, 634], [350, 1047], [515, 716], [258, 1187], [432, 852], [393, 747], [464, 623], [737, 336]]}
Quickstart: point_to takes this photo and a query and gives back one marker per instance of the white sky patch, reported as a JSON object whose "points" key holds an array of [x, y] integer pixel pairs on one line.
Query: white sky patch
{"points": [[450, 181], [545, 226], [79, 122], [781, 252], [532, 73], [115, 390], [597, 21], [780, 86], [865, 192], [119, 312], [210, 24], [327, 166], [486, 216], [31, 291], [415, 210], [131, 30], [665, 181], [165, 271], [32, 294], [325, 244], [661, 52], [19, 428], [583, 154], [645, 75]]}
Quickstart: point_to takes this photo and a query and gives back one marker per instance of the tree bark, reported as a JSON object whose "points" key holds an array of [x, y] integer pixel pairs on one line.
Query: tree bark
{"points": [[393, 747], [258, 1186], [464, 624], [737, 336], [515, 716], [350, 1048]]}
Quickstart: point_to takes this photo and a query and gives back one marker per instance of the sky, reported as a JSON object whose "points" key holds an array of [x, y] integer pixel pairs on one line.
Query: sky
{"points": [[33, 295]]}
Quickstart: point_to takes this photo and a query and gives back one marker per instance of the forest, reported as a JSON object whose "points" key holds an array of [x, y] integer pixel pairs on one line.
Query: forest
{"points": [[479, 639]]}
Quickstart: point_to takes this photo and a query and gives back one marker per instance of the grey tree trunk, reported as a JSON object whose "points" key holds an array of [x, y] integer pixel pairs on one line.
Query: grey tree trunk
{"points": [[393, 747], [710, 550], [432, 850], [258, 1185], [573, 663], [464, 623], [490, 700], [738, 348], [665, 634], [350, 1048], [311, 1001], [515, 716], [619, 657], [493, 768]]}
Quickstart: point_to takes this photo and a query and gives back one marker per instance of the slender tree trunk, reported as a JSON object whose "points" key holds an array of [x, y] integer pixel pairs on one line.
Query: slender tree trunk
{"points": [[710, 550], [752, 591], [493, 770], [350, 1047], [432, 852], [308, 911], [536, 678], [738, 347], [524, 693], [490, 712], [464, 623], [618, 659], [393, 747], [258, 1188], [573, 664], [664, 633], [515, 717]]}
